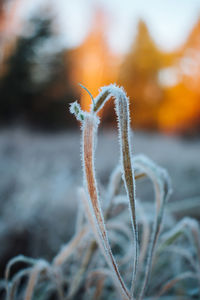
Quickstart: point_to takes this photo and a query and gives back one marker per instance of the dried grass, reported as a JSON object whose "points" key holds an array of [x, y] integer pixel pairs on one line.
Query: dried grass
{"points": [[116, 252]]}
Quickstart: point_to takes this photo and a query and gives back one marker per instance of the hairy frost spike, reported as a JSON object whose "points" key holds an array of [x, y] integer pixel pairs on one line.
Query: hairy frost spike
{"points": [[89, 129], [122, 111], [76, 110], [101, 99], [104, 95], [102, 240]]}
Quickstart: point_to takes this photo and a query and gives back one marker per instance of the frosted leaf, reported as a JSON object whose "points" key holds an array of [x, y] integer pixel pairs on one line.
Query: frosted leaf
{"points": [[39, 267], [98, 227], [157, 174], [14, 284], [181, 228], [89, 132], [173, 281], [162, 187], [67, 250], [106, 93], [122, 112], [76, 110], [18, 259]]}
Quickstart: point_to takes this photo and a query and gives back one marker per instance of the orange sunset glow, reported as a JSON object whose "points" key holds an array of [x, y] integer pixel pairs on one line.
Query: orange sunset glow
{"points": [[163, 86], [9, 25], [94, 63], [99, 149], [154, 105]]}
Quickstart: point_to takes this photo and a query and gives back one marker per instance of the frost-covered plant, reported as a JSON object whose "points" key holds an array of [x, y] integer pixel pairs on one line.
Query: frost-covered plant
{"points": [[115, 254]]}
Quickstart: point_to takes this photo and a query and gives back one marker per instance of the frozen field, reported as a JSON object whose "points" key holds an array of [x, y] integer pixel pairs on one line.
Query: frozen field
{"points": [[40, 174]]}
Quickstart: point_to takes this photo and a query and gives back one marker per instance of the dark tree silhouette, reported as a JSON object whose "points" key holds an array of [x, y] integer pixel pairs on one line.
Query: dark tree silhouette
{"points": [[36, 86]]}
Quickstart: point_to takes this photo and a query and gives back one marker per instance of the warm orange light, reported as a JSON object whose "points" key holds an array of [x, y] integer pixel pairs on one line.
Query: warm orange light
{"points": [[9, 25], [95, 65]]}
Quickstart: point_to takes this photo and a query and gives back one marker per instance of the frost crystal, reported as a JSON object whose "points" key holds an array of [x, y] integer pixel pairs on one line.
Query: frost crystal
{"points": [[76, 110]]}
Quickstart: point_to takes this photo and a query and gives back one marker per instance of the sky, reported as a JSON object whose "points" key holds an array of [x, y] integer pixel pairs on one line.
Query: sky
{"points": [[169, 21]]}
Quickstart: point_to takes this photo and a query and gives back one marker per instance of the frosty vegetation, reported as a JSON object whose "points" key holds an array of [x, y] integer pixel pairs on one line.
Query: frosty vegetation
{"points": [[120, 248]]}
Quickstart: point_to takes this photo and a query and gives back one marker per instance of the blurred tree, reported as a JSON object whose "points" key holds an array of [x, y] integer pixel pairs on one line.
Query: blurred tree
{"points": [[36, 85], [140, 77], [95, 65], [10, 24], [180, 112]]}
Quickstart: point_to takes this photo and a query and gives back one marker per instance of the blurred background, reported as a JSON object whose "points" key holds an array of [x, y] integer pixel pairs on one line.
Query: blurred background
{"points": [[47, 47]]}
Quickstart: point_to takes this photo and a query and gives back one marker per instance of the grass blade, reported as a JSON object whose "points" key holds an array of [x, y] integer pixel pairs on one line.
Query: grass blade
{"points": [[122, 111], [69, 248], [104, 246], [162, 187]]}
